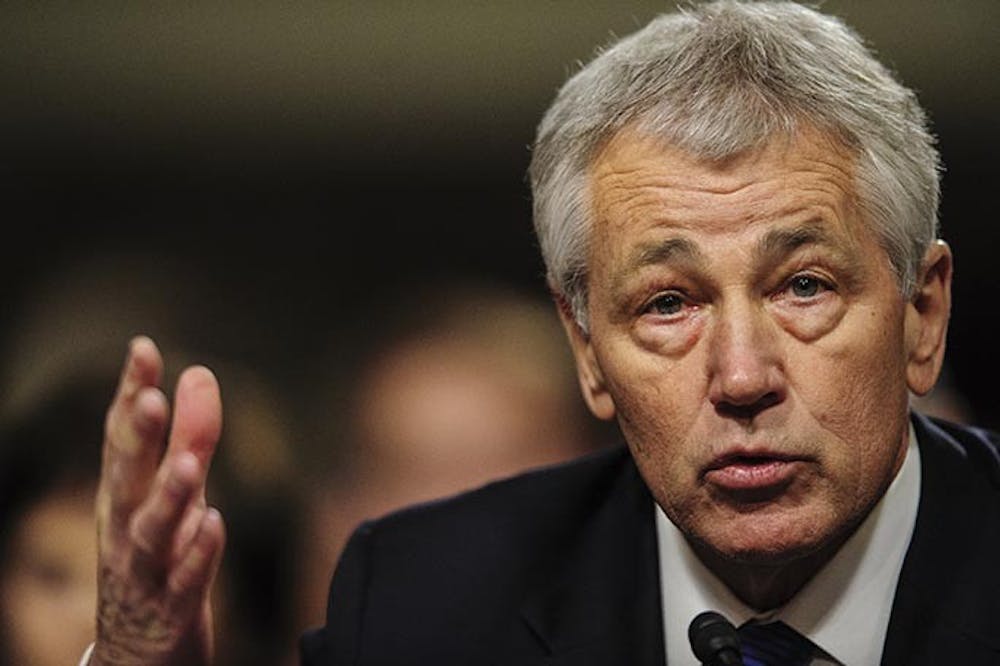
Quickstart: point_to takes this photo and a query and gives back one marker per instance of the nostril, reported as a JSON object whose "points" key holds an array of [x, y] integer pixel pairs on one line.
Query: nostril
{"points": [[738, 412], [745, 412]]}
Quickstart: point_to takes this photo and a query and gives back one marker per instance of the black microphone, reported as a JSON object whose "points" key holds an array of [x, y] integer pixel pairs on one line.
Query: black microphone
{"points": [[714, 640]]}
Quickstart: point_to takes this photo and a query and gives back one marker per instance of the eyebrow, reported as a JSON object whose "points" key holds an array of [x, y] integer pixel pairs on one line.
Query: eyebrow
{"points": [[771, 249], [777, 244], [676, 250], [661, 252]]}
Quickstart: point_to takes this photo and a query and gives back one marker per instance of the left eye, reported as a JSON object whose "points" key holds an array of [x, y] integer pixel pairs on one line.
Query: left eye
{"points": [[806, 286]]}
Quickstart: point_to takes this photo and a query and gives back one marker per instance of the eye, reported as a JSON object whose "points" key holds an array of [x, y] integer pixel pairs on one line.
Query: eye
{"points": [[806, 286], [51, 575], [666, 304]]}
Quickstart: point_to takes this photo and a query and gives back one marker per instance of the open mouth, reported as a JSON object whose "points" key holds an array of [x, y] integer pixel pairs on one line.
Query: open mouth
{"points": [[754, 474]]}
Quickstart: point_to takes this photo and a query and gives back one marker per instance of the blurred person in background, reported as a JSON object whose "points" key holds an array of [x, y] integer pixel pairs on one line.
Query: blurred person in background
{"points": [[459, 384], [49, 470], [49, 467], [62, 363]]}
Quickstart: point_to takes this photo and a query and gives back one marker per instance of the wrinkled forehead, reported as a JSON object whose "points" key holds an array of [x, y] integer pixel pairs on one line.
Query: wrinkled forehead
{"points": [[656, 204], [638, 177], [803, 141]]}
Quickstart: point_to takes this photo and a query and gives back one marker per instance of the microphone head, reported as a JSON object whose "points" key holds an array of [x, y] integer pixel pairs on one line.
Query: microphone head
{"points": [[714, 639]]}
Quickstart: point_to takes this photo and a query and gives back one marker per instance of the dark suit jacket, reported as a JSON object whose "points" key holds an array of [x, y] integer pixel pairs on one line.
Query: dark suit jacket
{"points": [[559, 567]]}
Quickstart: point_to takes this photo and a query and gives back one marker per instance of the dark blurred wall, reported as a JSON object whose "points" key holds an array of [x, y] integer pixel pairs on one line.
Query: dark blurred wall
{"points": [[297, 155]]}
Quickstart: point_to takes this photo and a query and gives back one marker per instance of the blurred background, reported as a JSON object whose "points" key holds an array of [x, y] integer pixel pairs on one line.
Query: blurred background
{"points": [[278, 188], [296, 155]]}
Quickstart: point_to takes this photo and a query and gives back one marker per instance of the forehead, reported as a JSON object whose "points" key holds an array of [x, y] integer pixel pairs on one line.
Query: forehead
{"points": [[640, 186]]}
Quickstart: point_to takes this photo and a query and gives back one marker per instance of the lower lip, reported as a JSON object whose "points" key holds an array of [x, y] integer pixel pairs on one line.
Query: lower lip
{"points": [[752, 475]]}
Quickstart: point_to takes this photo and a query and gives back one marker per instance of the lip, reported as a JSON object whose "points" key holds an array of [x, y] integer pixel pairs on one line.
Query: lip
{"points": [[752, 471]]}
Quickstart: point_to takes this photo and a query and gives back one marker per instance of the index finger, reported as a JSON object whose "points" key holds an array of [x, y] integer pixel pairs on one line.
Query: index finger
{"points": [[133, 435]]}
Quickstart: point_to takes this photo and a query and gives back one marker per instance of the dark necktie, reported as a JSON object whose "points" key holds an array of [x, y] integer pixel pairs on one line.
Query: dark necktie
{"points": [[774, 644]]}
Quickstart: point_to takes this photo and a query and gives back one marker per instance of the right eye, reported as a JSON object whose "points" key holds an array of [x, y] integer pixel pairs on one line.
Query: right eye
{"points": [[667, 304]]}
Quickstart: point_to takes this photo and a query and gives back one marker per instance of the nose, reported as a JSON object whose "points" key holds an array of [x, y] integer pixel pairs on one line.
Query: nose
{"points": [[745, 369]]}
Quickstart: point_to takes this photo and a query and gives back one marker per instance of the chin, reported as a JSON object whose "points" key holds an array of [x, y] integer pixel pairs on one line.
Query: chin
{"points": [[770, 555], [772, 540]]}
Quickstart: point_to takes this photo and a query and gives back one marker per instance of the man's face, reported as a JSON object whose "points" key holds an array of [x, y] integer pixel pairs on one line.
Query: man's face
{"points": [[748, 332]]}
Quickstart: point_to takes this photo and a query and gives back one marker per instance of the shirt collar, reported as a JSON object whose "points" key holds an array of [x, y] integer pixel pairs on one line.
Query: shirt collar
{"points": [[844, 609]]}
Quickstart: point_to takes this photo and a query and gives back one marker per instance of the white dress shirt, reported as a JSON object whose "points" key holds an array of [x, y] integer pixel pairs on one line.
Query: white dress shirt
{"points": [[844, 609], [85, 659]]}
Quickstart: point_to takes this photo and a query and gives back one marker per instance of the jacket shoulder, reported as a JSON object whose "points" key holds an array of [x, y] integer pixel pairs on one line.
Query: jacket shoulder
{"points": [[947, 604], [976, 449], [514, 503], [440, 580]]}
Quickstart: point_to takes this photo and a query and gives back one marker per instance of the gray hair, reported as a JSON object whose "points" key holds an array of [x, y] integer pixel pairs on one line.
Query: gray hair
{"points": [[721, 78]]}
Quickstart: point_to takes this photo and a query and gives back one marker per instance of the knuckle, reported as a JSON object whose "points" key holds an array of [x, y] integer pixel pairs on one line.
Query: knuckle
{"points": [[142, 535], [191, 575]]}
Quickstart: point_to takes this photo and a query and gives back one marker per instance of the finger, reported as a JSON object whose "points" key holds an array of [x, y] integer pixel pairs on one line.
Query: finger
{"points": [[197, 422], [134, 433], [155, 524], [192, 576], [190, 525], [143, 367]]}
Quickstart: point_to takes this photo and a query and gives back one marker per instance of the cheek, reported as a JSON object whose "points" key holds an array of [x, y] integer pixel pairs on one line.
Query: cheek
{"points": [[670, 340], [658, 396], [658, 419], [33, 606], [27, 617], [854, 387], [857, 366], [645, 388], [810, 322]]}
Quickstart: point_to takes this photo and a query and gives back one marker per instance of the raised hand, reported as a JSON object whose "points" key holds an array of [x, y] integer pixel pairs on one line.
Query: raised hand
{"points": [[159, 542]]}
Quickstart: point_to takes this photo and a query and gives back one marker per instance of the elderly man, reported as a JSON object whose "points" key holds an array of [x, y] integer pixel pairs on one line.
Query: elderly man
{"points": [[737, 210]]}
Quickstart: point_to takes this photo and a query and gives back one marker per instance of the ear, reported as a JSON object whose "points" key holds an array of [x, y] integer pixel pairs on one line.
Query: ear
{"points": [[592, 383], [927, 319]]}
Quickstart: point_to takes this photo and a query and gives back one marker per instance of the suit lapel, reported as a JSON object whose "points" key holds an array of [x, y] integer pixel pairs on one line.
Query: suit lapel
{"points": [[943, 611], [600, 604]]}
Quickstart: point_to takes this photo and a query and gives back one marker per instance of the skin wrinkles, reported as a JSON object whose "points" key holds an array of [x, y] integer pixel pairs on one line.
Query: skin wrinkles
{"points": [[635, 188], [771, 251], [746, 313], [778, 243]]}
